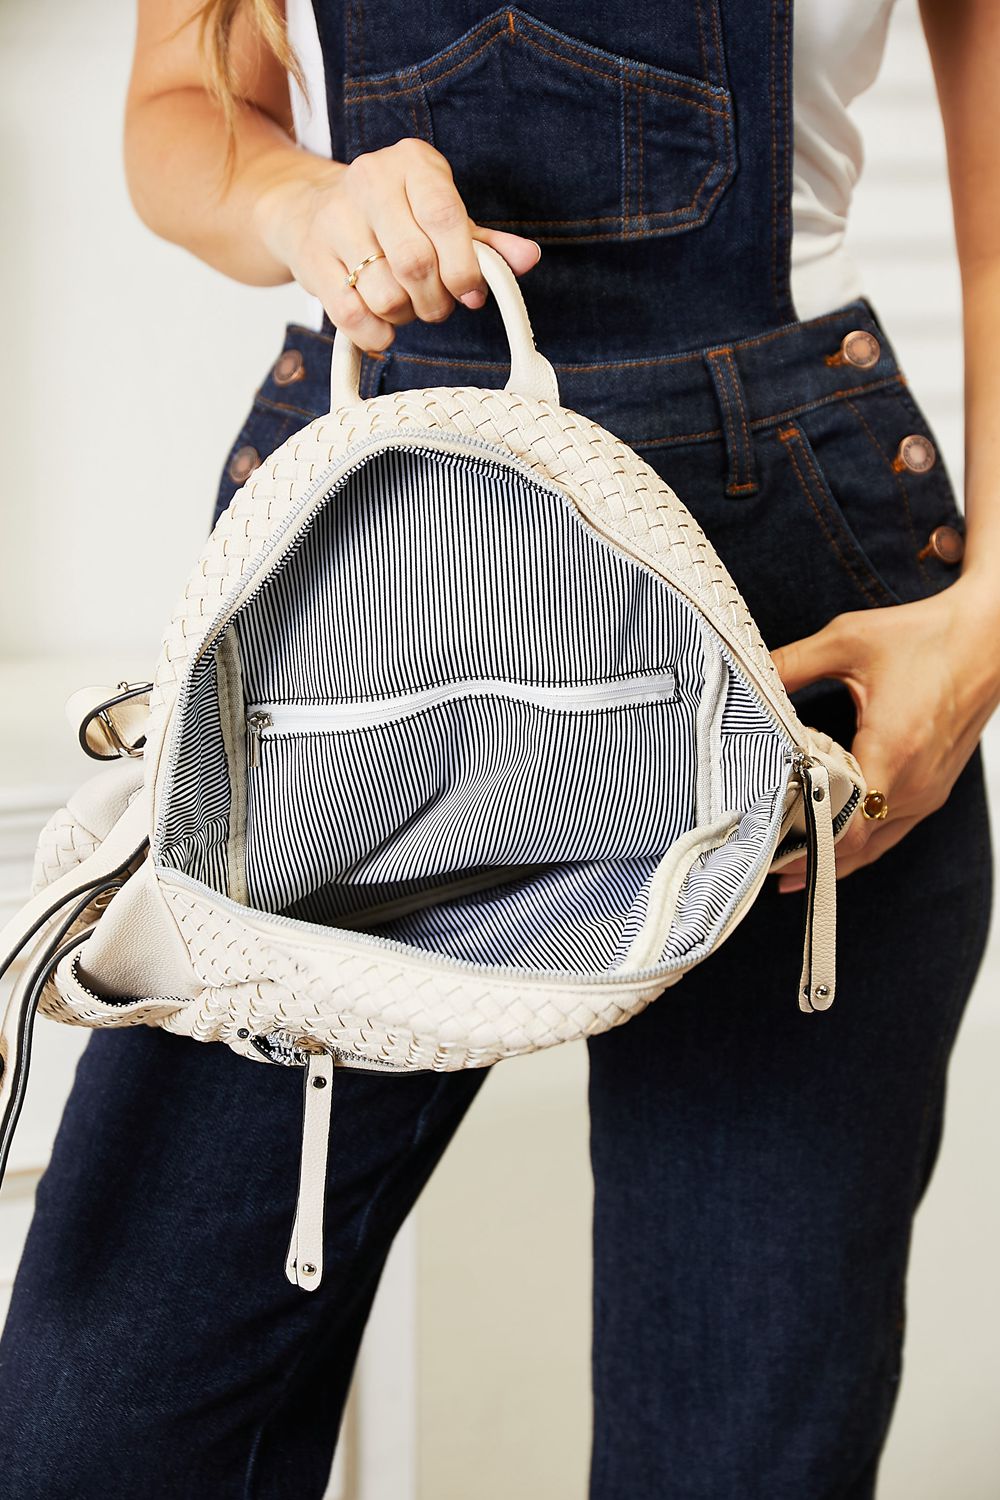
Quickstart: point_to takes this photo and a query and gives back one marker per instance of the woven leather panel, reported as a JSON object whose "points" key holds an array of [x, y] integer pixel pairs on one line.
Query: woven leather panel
{"points": [[62, 844], [375, 1004], [380, 1004]]}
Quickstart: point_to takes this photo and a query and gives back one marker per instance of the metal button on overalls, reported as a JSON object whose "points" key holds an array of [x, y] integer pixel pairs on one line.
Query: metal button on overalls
{"points": [[243, 463], [289, 367], [915, 453], [945, 543], [858, 348]]}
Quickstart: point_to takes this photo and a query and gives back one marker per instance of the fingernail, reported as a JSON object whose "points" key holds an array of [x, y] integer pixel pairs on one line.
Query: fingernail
{"points": [[473, 299], [791, 883], [539, 249]]}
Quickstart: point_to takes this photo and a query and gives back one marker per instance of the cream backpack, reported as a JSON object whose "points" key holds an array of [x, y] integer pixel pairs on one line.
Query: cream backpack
{"points": [[461, 743]]}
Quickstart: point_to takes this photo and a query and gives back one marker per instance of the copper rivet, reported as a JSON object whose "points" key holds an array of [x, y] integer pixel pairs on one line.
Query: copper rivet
{"points": [[308, 1269], [916, 453], [945, 543], [821, 991], [861, 349], [243, 463], [289, 367]]}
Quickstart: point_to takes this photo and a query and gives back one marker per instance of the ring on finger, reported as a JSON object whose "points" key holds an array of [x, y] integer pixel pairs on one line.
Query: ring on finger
{"points": [[875, 806], [352, 276]]}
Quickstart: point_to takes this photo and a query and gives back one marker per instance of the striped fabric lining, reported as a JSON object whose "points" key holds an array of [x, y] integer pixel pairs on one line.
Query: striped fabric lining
{"points": [[423, 573], [586, 917], [470, 784], [195, 819], [426, 571]]}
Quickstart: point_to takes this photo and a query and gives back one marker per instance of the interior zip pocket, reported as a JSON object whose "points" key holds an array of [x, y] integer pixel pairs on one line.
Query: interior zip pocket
{"points": [[265, 720]]}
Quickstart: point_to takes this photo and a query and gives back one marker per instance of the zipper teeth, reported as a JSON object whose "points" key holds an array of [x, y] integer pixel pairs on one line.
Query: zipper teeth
{"points": [[318, 718], [362, 1061], [799, 759]]}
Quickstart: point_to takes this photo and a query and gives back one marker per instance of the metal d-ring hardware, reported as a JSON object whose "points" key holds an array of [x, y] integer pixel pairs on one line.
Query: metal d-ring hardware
{"points": [[102, 715]]}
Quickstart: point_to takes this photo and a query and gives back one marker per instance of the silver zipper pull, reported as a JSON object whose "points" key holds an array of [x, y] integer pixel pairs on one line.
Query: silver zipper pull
{"points": [[257, 722]]}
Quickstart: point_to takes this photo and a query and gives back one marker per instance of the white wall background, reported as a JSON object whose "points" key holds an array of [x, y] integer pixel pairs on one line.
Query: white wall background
{"points": [[129, 369]]}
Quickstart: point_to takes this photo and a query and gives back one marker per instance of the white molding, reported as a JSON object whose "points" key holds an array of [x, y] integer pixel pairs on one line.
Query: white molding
{"points": [[386, 1429]]}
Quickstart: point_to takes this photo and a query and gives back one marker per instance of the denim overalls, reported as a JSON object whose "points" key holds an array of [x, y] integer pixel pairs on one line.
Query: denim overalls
{"points": [[756, 1170]]}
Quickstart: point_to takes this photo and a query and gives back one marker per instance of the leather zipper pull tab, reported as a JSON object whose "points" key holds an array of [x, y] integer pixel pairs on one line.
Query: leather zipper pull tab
{"points": [[304, 1262], [818, 980]]}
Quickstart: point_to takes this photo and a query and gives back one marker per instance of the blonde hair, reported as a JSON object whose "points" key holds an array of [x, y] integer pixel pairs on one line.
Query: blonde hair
{"points": [[216, 20]]}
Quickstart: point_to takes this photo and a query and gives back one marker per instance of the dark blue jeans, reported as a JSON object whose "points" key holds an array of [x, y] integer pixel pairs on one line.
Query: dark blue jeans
{"points": [[756, 1170]]}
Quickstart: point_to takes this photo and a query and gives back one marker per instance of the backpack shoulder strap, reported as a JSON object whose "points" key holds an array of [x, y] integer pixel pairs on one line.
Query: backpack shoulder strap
{"points": [[37, 934]]}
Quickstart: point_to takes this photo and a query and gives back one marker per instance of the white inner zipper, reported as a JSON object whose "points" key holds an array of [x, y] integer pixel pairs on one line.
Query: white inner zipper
{"points": [[267, 719]]}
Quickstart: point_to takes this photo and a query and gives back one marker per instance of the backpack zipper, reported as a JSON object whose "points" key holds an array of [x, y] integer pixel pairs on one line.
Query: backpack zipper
{"points": [[279, 548]]}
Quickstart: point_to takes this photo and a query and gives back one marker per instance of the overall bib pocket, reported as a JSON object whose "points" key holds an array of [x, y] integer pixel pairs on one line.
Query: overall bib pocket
{"points": [[552, 137]]}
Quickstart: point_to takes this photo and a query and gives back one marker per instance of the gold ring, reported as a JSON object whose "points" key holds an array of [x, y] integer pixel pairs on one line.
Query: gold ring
{"points": [[875, 806], [352, 277]]}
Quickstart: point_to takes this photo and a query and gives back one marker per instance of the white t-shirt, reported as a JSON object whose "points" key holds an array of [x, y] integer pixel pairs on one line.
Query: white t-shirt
{"points": [[837, 51]]}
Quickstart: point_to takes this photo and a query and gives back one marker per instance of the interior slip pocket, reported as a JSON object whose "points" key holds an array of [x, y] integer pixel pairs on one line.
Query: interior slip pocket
{"points": [[366, 802]]}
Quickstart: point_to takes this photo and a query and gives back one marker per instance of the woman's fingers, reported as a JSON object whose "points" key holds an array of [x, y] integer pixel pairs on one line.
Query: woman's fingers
{"points": [[883, 838], [887, 766], [402, 204], [377, 286], [338, 239], [922, 696], [411, 257], [440, 213], [384, 189], [348, 309], [521, 254], [403, 201]]}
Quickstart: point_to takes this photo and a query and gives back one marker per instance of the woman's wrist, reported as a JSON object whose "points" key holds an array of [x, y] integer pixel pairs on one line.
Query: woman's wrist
{"points": [[283, 191], [975, 598]]}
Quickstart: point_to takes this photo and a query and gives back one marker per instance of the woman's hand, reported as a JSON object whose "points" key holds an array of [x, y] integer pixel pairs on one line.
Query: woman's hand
{"points": [[401, 200], [925, 678]]}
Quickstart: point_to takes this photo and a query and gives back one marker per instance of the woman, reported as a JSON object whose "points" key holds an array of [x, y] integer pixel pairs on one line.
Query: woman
{"points": [[755, 1175]]}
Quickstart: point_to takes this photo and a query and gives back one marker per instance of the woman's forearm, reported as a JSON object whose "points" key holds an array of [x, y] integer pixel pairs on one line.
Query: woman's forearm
{"points": [[283, 213], [175, 149], [981, 302], [176, 144], [964, 41]]}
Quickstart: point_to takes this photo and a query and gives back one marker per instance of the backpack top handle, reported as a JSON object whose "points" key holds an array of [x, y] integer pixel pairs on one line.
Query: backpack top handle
{"points": [[531, 375]]}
